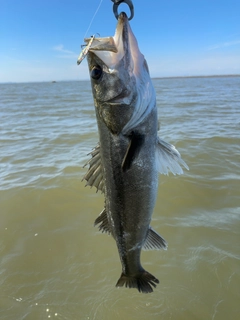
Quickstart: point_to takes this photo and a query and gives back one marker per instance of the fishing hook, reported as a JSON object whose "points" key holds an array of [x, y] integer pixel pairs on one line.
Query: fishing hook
{"points": [[116, 3]]}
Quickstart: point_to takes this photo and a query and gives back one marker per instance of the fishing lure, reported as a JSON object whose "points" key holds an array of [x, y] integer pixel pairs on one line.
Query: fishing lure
{"points": [[84, 52]]}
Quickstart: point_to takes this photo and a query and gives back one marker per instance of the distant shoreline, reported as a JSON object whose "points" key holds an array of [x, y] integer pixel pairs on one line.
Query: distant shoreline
{"points": [[206, 76], [164, 77]]}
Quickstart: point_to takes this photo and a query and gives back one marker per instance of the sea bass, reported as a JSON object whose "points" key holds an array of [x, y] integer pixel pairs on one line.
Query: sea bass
{"points": [[125, 163]]}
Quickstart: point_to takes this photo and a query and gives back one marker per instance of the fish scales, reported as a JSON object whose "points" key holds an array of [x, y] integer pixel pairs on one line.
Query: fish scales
{"points": [[130, 152]]}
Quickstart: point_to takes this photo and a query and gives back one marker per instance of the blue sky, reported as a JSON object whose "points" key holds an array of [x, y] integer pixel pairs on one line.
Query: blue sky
{"points": [[41, 40]]}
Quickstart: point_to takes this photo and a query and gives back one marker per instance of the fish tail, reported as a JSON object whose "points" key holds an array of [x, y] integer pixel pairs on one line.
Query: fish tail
{"points": [[143, 281]]}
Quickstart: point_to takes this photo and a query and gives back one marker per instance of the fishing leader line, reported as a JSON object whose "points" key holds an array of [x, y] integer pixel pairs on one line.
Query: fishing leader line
{"points": [[93, 17], [84, 52]]}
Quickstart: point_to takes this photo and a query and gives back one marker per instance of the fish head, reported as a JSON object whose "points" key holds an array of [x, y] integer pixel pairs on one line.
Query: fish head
{"points": [[117, 68]]}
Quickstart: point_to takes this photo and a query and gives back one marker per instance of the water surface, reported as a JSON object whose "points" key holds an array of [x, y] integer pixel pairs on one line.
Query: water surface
{"points": [[55, 264]]}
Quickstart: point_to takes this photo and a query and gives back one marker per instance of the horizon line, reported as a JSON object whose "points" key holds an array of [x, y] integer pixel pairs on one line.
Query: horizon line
{"points": [[157, 77]]}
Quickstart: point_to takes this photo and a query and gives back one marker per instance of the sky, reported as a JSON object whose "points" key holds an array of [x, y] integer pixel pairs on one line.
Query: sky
{"points": [[41, 40]]}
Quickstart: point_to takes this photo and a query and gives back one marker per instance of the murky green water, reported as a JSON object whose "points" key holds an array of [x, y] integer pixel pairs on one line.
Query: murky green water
{"points": [[55, 264]]}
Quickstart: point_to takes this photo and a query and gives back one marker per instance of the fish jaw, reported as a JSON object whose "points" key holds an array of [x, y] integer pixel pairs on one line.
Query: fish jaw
{"points": [[124, 90], [113, 94], [123, 45]]}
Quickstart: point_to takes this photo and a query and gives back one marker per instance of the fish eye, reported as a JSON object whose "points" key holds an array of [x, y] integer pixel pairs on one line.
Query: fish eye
{"points": [[96, 72]]}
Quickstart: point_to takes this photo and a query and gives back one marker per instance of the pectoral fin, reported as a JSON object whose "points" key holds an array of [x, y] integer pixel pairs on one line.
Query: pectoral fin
{"points": [[135, 144], [168, 158], [154, 241], [94, 175]]}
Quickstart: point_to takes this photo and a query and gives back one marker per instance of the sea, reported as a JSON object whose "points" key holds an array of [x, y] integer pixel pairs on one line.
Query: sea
{"points": [[55, 264]]}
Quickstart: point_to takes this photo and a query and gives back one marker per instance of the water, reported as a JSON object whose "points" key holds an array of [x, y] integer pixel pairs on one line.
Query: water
{"points": [[55, 264]]}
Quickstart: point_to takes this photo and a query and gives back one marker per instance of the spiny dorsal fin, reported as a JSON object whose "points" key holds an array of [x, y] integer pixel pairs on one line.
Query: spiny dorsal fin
{"points": [[154, 241], [168, 158], [136, 141], [94, 175], [102, 219]]}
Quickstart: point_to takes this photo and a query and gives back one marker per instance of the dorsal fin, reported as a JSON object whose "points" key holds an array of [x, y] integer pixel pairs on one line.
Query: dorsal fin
{"points": [[94, 175], [102, 219], [135, 144], [154, 241]]}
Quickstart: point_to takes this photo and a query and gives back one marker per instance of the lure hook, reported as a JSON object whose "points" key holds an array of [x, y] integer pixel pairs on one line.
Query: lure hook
{"points": [[116, 3]]}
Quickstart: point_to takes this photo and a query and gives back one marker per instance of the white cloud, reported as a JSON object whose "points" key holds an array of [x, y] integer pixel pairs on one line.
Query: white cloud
{"points": [[60, 48], [224, 44], [64, 52]]}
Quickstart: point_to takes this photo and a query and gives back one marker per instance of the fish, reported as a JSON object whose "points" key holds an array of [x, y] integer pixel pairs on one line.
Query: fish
{"points": [[125, 163]]}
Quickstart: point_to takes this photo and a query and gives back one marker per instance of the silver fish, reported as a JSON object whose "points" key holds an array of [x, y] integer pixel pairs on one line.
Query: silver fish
{"points": [[125, 164]]}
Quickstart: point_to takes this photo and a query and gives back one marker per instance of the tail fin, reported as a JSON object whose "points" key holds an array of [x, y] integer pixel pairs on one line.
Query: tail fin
{"points": [[143, 281]]}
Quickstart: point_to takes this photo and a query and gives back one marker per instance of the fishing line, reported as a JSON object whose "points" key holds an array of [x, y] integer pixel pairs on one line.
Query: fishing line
{"points": [[93, 17]]}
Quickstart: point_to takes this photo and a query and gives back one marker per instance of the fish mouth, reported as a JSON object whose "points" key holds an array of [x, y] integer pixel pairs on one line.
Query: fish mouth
{"points": [[118, 98], [111, 50], [124, 98]]}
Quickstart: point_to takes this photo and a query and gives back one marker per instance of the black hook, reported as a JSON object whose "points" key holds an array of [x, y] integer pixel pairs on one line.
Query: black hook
{"points": [[118, 2]]}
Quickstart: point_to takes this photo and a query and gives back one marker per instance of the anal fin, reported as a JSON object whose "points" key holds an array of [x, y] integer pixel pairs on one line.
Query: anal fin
{"points": [[102, 220], [154, 241]]}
